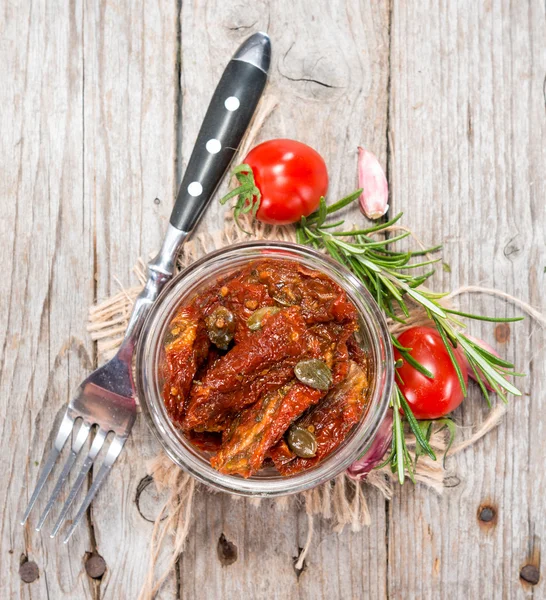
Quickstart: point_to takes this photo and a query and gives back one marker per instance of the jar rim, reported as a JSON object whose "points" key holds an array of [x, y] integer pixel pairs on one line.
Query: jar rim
{"points": [[171, 439]]}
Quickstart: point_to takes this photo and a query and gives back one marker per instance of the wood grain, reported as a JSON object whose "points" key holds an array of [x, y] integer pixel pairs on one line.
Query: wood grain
{"points": [[469, 134], [47, 254], [101, 104], [130, 156]]}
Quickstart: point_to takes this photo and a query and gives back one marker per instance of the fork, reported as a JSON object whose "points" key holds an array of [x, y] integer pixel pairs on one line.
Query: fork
{"points": [[106, 399]]}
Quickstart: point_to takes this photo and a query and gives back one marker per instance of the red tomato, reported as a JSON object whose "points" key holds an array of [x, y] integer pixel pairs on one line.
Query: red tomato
{"points": [[291, 177], [430, 398]]}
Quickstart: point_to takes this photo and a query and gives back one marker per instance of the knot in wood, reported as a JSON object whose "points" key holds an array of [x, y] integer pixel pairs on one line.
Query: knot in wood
{"points": [[502, 333]]}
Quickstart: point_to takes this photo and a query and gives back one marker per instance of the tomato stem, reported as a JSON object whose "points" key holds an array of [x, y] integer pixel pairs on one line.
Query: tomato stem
{"points": [[247, 192]]}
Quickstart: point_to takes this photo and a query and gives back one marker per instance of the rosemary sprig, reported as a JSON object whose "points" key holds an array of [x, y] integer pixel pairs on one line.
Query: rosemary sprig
{"points": [[391, 278]]}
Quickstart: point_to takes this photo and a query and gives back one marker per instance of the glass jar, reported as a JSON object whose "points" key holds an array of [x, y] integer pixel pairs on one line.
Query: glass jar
{"points": [[373, 337]]}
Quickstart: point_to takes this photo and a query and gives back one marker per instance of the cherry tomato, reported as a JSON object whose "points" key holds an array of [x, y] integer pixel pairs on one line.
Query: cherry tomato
{"points": [[430, 398], [291, 177]]}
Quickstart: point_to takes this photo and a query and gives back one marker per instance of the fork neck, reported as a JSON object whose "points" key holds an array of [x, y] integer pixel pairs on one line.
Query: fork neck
{"points": [[160, 271]]}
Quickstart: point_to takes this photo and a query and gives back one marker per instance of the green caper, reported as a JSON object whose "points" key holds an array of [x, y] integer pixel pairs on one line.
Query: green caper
{"points": [[302, 442], [254, 322], [315, 373], [220, 327]]}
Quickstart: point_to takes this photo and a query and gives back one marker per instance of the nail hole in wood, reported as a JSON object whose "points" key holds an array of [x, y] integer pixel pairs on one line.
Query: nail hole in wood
{"points": [[95, 565], [227, 551], [157, 201], [28, 570], [530, 574], [487, 515]]}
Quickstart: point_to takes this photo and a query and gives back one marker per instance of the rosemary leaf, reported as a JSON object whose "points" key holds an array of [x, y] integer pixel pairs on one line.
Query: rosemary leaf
{"points": [[452, 357], [416, 364], [414, 426], [484, 318], [489, 372]]}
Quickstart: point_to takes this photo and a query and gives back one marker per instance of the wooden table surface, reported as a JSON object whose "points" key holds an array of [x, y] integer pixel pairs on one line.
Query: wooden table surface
{"points": [[100, 102]]}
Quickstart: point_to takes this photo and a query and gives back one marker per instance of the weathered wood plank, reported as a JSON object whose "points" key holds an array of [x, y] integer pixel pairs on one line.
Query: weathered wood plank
{"points": [[330, 76], [89, 136], [130, 154], [467, 163], [47, 254]]}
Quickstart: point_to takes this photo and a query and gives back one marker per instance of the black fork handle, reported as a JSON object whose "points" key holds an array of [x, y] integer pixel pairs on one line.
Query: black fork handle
{"points": [[228, 116]]}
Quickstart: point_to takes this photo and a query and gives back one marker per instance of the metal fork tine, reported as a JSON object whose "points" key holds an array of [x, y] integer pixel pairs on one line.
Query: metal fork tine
{"points": [[113, 452], [96, 446], [77, 444], [62, 435]]}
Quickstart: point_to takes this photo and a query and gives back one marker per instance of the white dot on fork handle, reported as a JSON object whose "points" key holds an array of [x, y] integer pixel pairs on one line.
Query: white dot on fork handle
{"points": [[232, 103], [195, 189], [213, 146]]}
